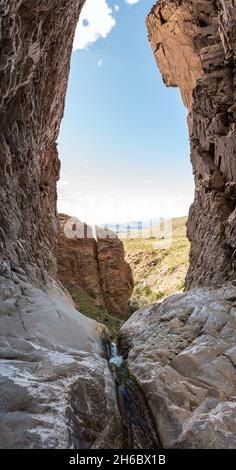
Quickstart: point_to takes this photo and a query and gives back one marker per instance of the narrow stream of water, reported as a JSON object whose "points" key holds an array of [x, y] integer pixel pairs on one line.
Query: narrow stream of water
{"points": [[139, 430]]}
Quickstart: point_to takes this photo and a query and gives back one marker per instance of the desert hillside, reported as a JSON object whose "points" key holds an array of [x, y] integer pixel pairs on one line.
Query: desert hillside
{"points": [[157, 272]]}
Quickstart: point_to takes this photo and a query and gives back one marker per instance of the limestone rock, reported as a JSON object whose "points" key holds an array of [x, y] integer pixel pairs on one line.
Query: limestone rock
{"points": [[182, 352], [194, 45], [56, 390]]}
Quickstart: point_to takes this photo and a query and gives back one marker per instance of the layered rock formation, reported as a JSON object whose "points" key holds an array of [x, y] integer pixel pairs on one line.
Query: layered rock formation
{"points": [[194, 45], [182, 352], [97, 266], [36, 43]]}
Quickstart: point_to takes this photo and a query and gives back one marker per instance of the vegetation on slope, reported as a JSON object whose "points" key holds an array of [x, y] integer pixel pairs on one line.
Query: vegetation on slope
{"points": [[157, 272], [87, 305]]}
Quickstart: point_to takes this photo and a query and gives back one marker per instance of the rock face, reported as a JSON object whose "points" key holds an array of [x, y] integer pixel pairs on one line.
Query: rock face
{"points": [[77, 260], [182, 353], [48, 351], [97, 266], [194, 45], [115, 273], [56, 390], [36, 42]]}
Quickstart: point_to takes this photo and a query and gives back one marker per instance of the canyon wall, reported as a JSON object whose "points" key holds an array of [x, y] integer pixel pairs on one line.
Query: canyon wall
{"points": [[51, 357], [115, 273], [182, 351], [36, 40], [56, 390], [77, 261], [194, 43], [96, 265]]}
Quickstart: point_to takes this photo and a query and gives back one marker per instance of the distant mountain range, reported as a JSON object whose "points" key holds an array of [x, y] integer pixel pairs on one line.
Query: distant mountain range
{"points": [[134, 225]]}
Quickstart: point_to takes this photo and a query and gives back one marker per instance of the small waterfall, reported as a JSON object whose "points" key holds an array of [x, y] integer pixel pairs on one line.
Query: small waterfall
{"points": [[139, 430]]}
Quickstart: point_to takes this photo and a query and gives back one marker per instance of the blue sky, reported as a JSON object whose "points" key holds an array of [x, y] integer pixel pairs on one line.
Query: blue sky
{"points": [[123, 142]]}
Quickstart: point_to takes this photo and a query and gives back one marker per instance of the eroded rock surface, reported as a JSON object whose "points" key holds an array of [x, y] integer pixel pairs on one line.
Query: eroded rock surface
{"points": [[36, 40], [194, 45], [56, 390], [182, 352], [55, 387]]}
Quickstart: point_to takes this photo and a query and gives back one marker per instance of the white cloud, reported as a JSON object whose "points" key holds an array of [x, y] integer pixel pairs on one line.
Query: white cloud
{"points": [[132, 2], [96, 21], [100, 63], [116, 8], [148, 181]]}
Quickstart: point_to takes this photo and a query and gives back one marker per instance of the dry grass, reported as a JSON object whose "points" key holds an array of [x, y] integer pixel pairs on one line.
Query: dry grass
{"points": [[157, 272]]}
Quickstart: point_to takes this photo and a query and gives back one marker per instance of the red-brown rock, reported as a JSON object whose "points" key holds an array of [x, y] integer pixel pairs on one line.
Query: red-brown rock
{"points": [[194, 45], [97, 266], [77, 259], [115, 273]]}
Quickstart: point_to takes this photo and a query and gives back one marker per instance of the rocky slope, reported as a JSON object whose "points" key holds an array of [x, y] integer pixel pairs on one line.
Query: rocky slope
{"points": [[183, 354], [194, 45], [96, 265], [56, 390]]}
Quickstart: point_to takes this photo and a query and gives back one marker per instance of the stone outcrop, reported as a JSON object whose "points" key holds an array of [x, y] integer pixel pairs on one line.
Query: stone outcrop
{"points": [[77, 260], [194, 45], [115, 273], [96, 265], [182, 353]]}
